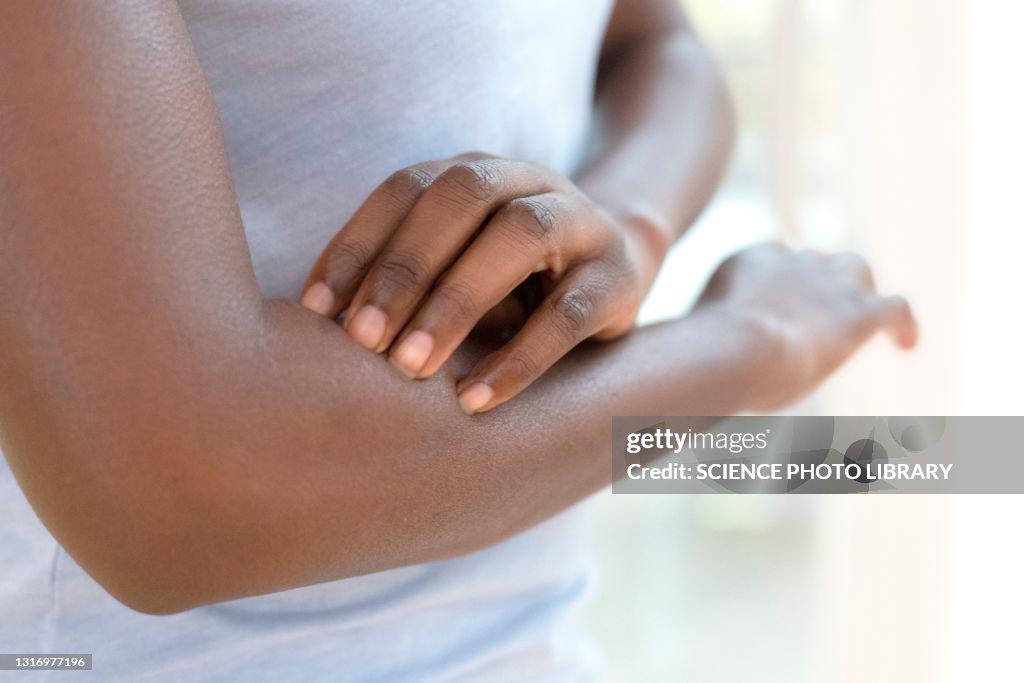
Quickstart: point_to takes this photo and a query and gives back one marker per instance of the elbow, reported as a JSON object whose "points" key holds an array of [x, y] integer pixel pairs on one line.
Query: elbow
{"points": [[140, 595], [155, 583], [151, 557]]}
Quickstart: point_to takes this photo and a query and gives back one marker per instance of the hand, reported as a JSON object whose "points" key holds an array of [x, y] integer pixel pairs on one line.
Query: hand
{"points": [[812, 310], [439, 245]]}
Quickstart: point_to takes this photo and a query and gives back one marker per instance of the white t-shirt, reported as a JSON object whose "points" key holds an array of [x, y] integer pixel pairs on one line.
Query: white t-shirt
{"points": [[320, 100]]}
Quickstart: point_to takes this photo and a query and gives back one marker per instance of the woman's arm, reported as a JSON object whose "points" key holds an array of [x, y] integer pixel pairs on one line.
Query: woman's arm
{"points": [[666, 123], [188, 441]]}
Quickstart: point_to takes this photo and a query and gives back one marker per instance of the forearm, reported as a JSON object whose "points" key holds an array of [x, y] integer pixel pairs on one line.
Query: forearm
{"points": [[664, 126], [328, 463], [455, 482]]}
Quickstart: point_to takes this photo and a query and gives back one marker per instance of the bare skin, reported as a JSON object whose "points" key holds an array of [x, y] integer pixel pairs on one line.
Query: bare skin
{"points": [[438, 246], [189, 441]]}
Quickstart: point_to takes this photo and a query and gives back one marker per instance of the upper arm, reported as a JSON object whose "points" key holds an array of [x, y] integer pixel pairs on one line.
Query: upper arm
{"points": [[639, 19], [121, 239], [114, 173], [126, 277]]}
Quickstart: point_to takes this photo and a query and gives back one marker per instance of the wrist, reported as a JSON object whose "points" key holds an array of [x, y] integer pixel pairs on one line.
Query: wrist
{"points": [[647, 241], [768, 361]]}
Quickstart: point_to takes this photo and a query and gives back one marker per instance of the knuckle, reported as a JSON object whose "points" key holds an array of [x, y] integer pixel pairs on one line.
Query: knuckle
{"points": [[471, 182], [405, 186], [532, 219], [401, 268], [456, 302], [519, 366], [348, 256], [573, 311]]}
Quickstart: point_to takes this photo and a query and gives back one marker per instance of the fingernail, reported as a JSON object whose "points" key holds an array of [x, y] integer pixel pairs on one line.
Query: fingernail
{"points": [[412, 354], [319, 298], [367, 326], [475, 397]]}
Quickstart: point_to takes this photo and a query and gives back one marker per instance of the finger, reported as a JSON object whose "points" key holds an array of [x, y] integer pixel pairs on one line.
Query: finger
{"points": [[896, 318], [517, 241], [437, 229], [343, 263], [570, 314], [854, 266], [503, 321]]}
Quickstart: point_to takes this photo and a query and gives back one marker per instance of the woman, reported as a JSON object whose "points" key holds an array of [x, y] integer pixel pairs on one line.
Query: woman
{"points": [[236, 488]]}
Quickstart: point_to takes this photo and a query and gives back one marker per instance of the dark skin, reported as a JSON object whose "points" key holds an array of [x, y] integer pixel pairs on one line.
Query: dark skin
{"points": [[444, 245], [189, 441]]}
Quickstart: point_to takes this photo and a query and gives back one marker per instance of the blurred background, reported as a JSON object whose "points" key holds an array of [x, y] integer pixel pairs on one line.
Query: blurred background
{"points": [[895, 128]]}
